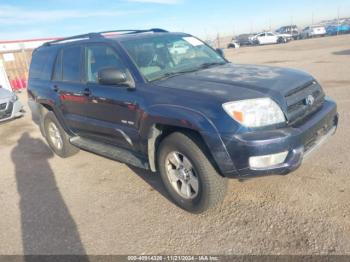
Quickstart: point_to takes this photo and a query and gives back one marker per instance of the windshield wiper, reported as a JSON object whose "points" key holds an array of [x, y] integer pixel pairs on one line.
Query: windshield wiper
{"points": [[176, 73], [207, 65]]}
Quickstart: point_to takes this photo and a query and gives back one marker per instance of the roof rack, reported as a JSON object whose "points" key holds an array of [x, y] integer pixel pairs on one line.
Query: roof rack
{"points": [[133, 31], [101, 34]]}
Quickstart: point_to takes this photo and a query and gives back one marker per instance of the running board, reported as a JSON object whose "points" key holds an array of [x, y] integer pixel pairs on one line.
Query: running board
{"points": [[109, 151]]}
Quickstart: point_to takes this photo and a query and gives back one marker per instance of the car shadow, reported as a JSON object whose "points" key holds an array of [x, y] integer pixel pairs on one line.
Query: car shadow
{"points": [[47, 225], [343, 52], [153, 179]]}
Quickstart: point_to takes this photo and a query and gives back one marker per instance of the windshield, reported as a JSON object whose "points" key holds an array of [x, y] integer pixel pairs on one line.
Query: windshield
{"points": [[164, 56]]}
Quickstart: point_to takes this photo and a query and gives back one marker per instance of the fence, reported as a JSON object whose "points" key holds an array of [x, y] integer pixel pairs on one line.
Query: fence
{"points": [[16, 64]]}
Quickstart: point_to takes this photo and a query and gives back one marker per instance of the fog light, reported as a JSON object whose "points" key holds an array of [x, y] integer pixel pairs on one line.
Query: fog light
{"points": [[267, 160]]}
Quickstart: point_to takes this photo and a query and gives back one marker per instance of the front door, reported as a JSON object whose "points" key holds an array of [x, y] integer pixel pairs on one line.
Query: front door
{"points": [[112, 110]]}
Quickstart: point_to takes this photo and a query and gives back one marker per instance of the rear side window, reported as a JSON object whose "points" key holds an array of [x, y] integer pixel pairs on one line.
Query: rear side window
{"points": [[41, 64], [57, 73], [71, 61]]}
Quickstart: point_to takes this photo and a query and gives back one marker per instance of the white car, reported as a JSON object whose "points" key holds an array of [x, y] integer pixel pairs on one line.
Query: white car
{"points": [[233, 44], [267, 38], [10, 106], [313, 31]]}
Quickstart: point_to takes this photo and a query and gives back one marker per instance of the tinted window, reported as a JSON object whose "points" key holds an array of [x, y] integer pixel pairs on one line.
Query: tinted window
{"points": [[71, 59], [41, 65], [99, 57], [57, 74]]}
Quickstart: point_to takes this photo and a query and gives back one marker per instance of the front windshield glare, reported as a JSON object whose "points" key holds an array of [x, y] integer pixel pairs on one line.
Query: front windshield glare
{"points": [[161, 56]]}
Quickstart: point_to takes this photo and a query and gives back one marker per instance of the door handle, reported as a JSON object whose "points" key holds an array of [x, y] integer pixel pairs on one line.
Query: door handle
{"points": [[55, 88], [86, 92]]}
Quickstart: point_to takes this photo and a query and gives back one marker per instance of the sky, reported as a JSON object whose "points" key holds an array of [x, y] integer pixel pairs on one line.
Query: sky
{"points": [[22, 19]]}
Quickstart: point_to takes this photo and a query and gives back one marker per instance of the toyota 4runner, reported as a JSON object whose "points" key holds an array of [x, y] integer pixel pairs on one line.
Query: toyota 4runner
{"points": [[169, 103]]}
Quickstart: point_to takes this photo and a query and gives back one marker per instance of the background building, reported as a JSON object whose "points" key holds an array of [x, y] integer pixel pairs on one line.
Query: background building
{"points": [[15, 57]]}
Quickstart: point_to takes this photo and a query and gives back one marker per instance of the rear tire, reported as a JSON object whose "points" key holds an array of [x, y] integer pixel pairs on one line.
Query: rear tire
{"points": [[204, 187], [56, 137]]}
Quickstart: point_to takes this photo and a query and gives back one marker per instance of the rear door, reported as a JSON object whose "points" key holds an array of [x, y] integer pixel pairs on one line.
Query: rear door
{"points": [[67, 82], [271, 38], [262, 38]]}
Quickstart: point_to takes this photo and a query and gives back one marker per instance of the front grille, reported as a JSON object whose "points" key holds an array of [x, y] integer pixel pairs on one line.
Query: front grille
{"points": [[8, 112], [297, 107], [3, 106]]}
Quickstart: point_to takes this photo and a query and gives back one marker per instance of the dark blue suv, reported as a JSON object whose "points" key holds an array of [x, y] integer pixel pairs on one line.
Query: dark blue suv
{"points": [[170, 103]]}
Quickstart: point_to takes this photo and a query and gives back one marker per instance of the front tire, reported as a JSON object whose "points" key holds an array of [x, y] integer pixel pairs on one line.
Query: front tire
{"points": [[189, 177], [56, 137]]}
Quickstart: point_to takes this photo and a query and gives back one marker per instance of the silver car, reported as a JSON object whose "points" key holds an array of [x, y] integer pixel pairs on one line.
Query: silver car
{"points": [[10, 106]]}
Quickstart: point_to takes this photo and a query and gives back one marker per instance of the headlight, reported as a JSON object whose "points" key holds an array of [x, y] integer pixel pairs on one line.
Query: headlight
{"points": [[255, 112], [14, 97]]}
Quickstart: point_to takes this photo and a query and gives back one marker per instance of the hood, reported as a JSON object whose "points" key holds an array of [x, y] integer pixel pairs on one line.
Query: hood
{"points": [[4, 93], [232, 82]]}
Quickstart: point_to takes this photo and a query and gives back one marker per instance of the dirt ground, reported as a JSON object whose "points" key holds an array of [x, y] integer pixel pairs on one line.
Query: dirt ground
{"points": [[89, 204]]}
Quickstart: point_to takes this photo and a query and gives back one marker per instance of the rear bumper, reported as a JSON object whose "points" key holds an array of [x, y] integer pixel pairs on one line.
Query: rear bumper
{"points": [[298, 141]]}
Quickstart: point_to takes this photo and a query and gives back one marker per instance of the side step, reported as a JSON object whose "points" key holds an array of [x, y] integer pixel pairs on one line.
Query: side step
{"points": [[112, 152]]}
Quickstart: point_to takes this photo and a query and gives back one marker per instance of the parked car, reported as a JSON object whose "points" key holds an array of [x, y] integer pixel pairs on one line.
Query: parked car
{"points": [[313, 31], [178, 48], [243, 39], [269, 38], [290, 30], [194, 118], [10, 106], [233, 44], [338, 29]]}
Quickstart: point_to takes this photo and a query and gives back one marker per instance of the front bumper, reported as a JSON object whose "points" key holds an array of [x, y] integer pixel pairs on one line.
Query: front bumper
{"points": [[11, 110], [299, 141]]}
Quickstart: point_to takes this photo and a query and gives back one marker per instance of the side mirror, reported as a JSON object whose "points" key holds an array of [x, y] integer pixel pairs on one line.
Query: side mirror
{"points": [[220, 52], [112, 76]]}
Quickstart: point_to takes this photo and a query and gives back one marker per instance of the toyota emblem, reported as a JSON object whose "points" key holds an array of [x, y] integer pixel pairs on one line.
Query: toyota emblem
{"points": [[309, 100]]}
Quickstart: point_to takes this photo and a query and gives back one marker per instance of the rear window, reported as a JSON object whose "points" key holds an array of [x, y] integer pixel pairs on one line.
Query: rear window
{"points": [[41, 65]]}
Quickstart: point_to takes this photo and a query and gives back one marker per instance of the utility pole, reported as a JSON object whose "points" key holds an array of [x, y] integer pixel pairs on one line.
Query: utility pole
{"points": [[218, 38], [312, 19], [338, 21]]}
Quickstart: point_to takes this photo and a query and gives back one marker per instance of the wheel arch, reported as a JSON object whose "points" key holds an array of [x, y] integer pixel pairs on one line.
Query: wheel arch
{"points": [[50, 106], [164, 120]]}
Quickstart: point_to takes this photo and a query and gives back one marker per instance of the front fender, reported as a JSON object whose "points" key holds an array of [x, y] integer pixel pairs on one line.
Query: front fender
{"points": [[183, 117]]}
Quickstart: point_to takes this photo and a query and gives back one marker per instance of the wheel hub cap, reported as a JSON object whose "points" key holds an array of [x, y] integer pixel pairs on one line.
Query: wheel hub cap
{"points": [[55, 136], [181, 175]]}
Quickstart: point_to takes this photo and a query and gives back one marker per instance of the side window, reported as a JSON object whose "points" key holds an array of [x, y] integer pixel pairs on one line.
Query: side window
{"points": [[57, 74], [71, 59], [98, 57], [41, 65]]}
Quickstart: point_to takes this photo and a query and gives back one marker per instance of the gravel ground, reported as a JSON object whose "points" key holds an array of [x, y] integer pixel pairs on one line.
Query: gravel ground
{"points": [[89, 204]]}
